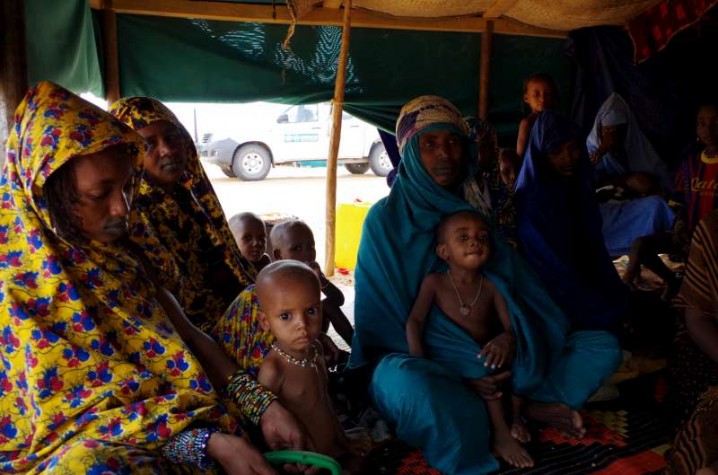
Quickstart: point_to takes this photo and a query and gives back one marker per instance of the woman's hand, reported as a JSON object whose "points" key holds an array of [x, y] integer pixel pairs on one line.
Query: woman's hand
{"points": [[237, 456], [499, 351], [489, 387], [282, 431]]}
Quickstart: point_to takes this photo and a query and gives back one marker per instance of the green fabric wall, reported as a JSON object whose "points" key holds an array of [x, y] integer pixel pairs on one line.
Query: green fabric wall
{"points": [[213, 61], [61, 46], [514, 58], [240, 62]]}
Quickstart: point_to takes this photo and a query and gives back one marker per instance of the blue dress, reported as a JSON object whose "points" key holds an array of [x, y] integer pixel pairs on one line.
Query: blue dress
{"points": [[426, 399], [625, 221], [559, 229]]}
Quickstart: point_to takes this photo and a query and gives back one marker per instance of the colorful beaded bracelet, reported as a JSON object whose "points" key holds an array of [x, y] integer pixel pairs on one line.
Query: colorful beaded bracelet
{"points": [[190, 447], [252, 398]]}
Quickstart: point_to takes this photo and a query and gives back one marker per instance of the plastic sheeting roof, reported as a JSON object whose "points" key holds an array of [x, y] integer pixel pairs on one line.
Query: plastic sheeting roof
{"points": [[561, 15]]}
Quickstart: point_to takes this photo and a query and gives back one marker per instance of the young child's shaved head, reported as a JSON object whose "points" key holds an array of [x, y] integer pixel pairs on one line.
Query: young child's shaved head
{"points": [[245, 217], [293, 240], [271, 277], [279, 231]]}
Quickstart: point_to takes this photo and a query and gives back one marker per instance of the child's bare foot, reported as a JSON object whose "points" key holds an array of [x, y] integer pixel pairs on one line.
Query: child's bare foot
{"points": [[560, 416], [510, 450], [359, 443], [519, 431], [630, 278], [352, 464]]}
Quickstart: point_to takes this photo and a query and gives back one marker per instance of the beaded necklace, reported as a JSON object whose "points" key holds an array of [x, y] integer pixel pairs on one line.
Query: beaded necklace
{"points": [[310, 362]]}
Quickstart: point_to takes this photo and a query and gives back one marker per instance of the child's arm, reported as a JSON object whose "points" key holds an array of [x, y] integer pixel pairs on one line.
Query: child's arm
{"points": [[340, 436], [333, 294], [500, 351], [523, 138], [270, 376], [417, 317], [359, 446], [264, 261], [502, 310], [218, 366]]}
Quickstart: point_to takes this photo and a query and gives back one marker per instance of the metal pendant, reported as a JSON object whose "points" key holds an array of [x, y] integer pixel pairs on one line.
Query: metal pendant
{"points": [[464, 310]]}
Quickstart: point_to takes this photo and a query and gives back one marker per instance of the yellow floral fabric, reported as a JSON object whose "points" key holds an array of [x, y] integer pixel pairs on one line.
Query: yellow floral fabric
{"points": [[240, 335], [93, 377], [190, 224]]}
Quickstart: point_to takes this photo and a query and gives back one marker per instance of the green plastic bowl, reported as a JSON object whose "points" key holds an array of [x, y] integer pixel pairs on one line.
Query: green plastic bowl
{"points": [[313, 459]]}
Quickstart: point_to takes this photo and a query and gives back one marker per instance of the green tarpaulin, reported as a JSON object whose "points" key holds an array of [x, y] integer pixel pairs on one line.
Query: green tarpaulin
{"points": [[188, 60], [61, 46]]}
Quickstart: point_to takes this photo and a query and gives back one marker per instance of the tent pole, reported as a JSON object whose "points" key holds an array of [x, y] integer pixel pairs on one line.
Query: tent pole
{"points": [[13, 65], [112, 62], [485, 69], [337, 108]]}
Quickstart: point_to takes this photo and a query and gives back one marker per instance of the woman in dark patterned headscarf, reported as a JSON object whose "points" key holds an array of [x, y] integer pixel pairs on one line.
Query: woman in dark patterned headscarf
{"points": [[94, 378], [176, 203]]}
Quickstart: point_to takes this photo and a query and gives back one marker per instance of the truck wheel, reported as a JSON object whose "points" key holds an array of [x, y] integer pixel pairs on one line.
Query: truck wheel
{"points": [[357, 168], [251, 162], [379, 160]]}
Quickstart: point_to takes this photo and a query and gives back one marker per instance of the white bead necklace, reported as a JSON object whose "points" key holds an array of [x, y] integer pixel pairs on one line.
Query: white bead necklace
{"points": [[310, 362]]}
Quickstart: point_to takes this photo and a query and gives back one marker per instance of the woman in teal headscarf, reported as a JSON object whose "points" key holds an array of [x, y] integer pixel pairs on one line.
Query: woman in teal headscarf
{"points": [[428, 401]]}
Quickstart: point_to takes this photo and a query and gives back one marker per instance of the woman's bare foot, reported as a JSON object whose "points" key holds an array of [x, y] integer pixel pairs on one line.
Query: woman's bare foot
{"points": [[560, 416], [519, 431], [510, 450]]}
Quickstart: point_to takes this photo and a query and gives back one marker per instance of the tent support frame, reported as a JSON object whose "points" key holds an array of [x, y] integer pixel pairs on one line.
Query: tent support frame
{"points": [[112, 62], [337, 109]]}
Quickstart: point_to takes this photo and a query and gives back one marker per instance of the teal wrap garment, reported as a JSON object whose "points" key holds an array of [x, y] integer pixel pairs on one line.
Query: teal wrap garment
{"points": [[426, 399]]}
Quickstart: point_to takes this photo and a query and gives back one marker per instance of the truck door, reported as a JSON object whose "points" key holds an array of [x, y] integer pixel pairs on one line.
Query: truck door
{"points": [[352, 143], [299, 135]]}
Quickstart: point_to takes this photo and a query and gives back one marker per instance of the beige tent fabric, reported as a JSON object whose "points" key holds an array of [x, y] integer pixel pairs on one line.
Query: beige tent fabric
{"points": [[572, 14], [425, 8], [560, 15]]}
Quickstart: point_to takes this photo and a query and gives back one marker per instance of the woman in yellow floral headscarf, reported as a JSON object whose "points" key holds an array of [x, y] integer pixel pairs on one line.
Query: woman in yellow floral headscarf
{"points": [[176, 202], [93, 377]]}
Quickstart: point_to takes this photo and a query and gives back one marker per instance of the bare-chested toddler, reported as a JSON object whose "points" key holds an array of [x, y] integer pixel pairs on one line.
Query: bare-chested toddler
{"points": [[290, 308], [472, 301]]}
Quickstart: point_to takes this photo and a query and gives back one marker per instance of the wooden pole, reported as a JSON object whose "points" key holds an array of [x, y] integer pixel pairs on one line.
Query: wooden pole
{"points": [[13, 65], [112, 61], [337, 108], [485, 72]]}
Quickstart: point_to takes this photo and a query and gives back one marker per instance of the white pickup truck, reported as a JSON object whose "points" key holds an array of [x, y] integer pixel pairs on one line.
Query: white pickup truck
{"points": [[300, 134]]}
